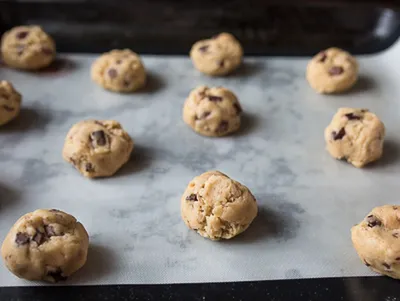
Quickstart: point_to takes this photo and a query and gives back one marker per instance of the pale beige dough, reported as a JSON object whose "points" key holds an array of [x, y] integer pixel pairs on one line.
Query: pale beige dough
{"points": [[217, 207], [212, 111], [332, 71], [119, 71], [377, 240], [28, 48], [48, 245], [97, 148], [10, 102], [355, 135], [217, 56]]}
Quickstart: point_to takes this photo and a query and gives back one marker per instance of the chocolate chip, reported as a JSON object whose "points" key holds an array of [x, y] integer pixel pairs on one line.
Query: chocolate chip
{"points": [[21, 238], [386, 265], [336, 70], [394, 207], [57, 275], [397, 258], [214, 98], [395, 235], [49, 231], [223, 127], [39, 238], [351, 116], [204, 115], [7, 108], [204, 48], [99, 137], [89, 167], [373, 221], [238, 108], [192, 197], [112, 73], [366, 263], [339, 135], [323, 56], [47, 51], [22, 35], [221, 64], [126, 83]]}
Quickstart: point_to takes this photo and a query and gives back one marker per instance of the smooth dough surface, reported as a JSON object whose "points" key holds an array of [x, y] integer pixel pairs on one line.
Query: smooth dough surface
{"points": [[355, 135], [217, 207], [212, 111], [119, 71], [10, 102], [332, 71], [377, 240], [27, 47], [219, 55], [47, 245], [97, 148]]}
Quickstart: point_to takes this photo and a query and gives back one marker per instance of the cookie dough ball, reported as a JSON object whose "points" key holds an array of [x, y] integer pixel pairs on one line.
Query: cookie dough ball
{"points": [[97, 148], [219, 55], [377, 240], [10, 102], [217, 207], [47, 245], [212, 111], [332, 71], [27, 47], [119, 71], [355, 135]]}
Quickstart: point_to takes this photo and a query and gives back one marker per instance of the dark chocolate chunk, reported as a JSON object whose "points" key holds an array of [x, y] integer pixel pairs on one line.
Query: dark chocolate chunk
{"points": [[366, 263], [238, 108], [397, 258], [223, 127], [89, 167], [192, 197], [57, 275], [336, 70], [386, 265], [323, 56], [339, 135], [22, 35], [373, 221], [21, 238], [7, 108], [204, 48], [99, 137], [39, 238], [394, 207], [214, 98], [112, 73], [49, 231], [351, 116], [395, 235], [47, 51], [205, 115], [127, 82], [221, 64]]}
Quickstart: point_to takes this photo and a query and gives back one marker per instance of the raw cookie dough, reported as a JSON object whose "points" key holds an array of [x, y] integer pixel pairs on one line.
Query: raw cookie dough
{"points": [[217, 207], [219, 55], [27, 47], [332, 71], [97, 148], [355, 135], [377, 240], [119, 71], [10, 102], [212, 111], [47, 245]]}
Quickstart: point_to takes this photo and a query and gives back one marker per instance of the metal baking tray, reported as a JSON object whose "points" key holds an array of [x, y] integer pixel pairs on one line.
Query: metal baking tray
{"points": [[308, 201]]}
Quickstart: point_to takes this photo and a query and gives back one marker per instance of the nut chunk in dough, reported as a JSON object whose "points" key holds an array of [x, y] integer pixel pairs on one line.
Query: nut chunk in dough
{"points": [[377, 240], [217, 207], [97, 148], [355, 135], [48, 245]]}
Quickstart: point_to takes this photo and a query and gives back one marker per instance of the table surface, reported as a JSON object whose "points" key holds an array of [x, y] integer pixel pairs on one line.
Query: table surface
{"points": [[307, 200]]}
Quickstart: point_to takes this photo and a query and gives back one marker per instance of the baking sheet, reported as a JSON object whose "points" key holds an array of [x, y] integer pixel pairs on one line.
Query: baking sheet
{"points": [[308, 201]]}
